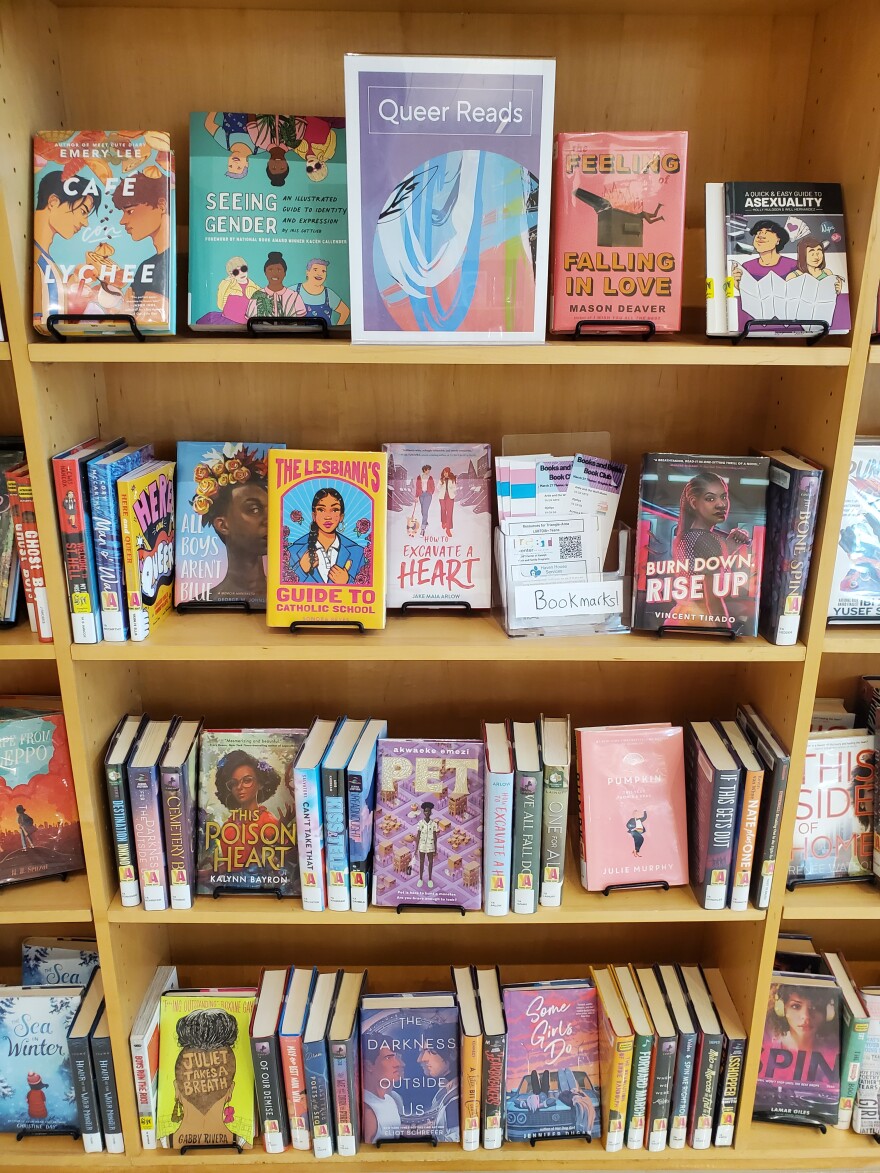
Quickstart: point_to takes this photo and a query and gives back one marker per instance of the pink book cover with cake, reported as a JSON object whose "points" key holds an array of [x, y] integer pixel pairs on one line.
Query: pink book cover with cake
{"points": [[618, 229], [635, 827], [428, 823]]}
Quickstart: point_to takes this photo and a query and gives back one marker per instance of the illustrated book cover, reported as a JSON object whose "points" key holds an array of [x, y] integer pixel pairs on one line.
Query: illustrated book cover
{"points": [[36, 1088], [449, 193], [855, 589], [57, 961], [146, 510], [833, 831]]}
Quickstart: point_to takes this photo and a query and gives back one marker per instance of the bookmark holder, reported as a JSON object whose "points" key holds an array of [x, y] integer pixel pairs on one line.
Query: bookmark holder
{"points": [[808, 330], [235, 1145], [438, 605], [194, 607], [414, 905], [591, 328], [815, 882], [73, 1133], [662, 884], [266, 326], [55, 320], [431, 1140]]}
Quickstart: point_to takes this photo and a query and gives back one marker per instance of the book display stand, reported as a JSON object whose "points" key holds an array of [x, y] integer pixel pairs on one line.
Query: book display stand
{"points": [[753, 327], [536, 1140], [803, 1122], [73, 1133], [414, 906], [327, 625], [662, 884], [266, 327], [719, 633], [438, 605], [194, 607], [231, 890], [234, 1146], [429, 1140], [807, 882], [55, 320], [591, 328]]}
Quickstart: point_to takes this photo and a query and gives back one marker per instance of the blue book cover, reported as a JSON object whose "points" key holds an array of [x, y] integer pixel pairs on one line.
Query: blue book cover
{"points": [[410, 1070], [310, 814], [58, 961], [361, 802], [268, 223], [334, 785], [36, 1085], [221, 522], [316, 1063], [103, 473]]}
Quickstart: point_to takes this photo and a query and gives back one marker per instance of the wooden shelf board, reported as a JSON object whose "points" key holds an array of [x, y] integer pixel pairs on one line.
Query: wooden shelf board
{"points": [[846, 640], [5, 355], [783, 1147], [46, 901], [55, 1152], [677, 350], [218, 636], [833, 902], [20, 643], [517, 7]]}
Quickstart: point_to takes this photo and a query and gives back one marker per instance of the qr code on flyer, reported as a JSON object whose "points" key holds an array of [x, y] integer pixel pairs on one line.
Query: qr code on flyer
{"points": [[571, 546]]}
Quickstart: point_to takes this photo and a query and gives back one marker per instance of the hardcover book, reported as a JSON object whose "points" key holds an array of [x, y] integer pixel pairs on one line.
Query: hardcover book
{"points": [[266, 1056], [866, 1110], [776, 761], [343, 1045], [247, 821], [439, 524], [221, 523], [146, 511], [615, 1057], [428, 825], [556, 759], [685, 1054], [833, 831], [39, 822], [104, 229], [10, 462], [493, 1101], [552, 1076], [327, 538], [707, 1058], [105, 1085], [497, 818], [528, 797], [713, 784], [449, 191], [855, 589], [268, 219], [145, 796], [37, 1081], [82, 1068], [178, 774], [700, 542], [618, 236], [57, 961], [125, 736], [297, 996], [144, 1043], [32, 554], [361, 803]]}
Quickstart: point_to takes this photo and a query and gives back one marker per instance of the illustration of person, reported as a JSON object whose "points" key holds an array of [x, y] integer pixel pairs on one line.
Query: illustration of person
{"points": [[427, 829], [234, 501], [618, 226], [230, 131], [803, 1018], [425, 489], [573, 1096], [26, 828], [204, 1077], [324, 554], [321, 302], [811, 261], [636, 827], [62, 210], [317, 145], [446, 494], [383, 1107], [36, 1099], [276, 134], [769, 239], [275, 299], [243, 784], [233, 294], [443, 1112], [143, 202]]}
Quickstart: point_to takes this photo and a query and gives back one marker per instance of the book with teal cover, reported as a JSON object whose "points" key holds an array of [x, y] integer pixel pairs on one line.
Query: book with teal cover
{"points": [[36, 1086], [268, 224]]}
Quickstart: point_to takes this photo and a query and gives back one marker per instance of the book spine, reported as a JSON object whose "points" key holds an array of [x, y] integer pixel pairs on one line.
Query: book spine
{"points": [[497, 842], [177, 822], [729, 1086], [769, 822], [714, 869], [866, 1110], [526, 843], [83, 1078], [716, 261], [85, 619], [471, 1060], [310, 838], [108, 1098], [344, 1060], [494, 1114], [138, 616], [661, 1095], [146, 819], [681, 1090], [731, 293], [706, 1071], [618, 1093], [318, 1095], [637, 1103], [747, 833], [270, 1094], [35, 558], [145, 1088], [360, 837], [338, 886], [855, 1030], [553, 828], [792, 511], [108, 556], [123, 836], [23, 563], [293, 1070]]}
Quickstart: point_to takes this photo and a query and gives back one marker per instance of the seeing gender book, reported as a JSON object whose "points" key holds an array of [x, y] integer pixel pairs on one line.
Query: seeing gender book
{"points": [[855, 590]]}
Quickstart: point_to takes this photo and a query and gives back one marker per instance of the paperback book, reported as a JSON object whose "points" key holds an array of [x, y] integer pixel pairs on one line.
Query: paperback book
{"points": [[792, 511], [855, 589], [833, 831]]}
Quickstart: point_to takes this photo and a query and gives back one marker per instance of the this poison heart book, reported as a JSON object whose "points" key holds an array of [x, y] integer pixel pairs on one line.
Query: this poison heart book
{"points": [[428, 823], [439, 524]]}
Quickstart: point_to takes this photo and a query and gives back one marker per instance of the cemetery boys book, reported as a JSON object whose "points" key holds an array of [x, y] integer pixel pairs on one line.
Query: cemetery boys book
{"points": [[700, 542], [439, 524], [118, 185], [221, 523], [326, 538], [833, 833], [146, 510], [449, 190], [428, 825], [268, 223], [618, 228], [247, 824], [855, 591], [37, 1082]]}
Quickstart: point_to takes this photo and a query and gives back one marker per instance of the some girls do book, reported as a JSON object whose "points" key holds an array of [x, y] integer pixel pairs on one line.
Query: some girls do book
{"points": [[700, 542]]}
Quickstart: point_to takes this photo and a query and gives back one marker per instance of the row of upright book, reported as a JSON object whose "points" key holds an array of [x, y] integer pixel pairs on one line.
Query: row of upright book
{"points": [[21, 556], [292, 217]]}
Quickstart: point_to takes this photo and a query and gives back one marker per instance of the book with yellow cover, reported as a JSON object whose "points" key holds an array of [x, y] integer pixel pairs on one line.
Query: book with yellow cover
{"points": [[146, 513], [615, 1058], [326, 537]]}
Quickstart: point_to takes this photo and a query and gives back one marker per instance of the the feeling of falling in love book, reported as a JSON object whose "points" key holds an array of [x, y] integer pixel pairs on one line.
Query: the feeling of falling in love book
{"points": [[428, 823], [439, 524], [104, 229]]}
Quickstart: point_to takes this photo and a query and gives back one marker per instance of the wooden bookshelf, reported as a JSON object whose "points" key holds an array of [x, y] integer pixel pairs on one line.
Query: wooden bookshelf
{"points": [[805, 92]]}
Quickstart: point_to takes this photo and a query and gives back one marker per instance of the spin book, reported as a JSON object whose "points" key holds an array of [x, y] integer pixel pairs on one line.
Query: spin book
{"points": [[449, 191], [247, 821], [700, 542], [146, 510], [326, 538], [221, 523], [552, 1070], [439, 524], [618, 235], [39, 822], [36, 1088], [855, 590], [104, 229], [833, 832], [268, 219], [428, 823]]}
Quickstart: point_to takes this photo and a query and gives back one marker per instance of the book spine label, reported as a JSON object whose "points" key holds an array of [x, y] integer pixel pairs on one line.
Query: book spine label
{"points": [[310, 838], [554, 824], [343, 1062], [123, 836], [23, 563], [792, 510], [470, 1058], [637, 1104], [618, 1093], [729, 1087], [526, 843], [747, 834], [494, 1062], [108, 559], [270, 1096], [661, 1095], [69, 495], [318, 1095], [338, 886], [293, 1071], [146, 818], [707, 1070], [35, 559], [83, 1077], [138, 616], [855, 1032], [105, 1077], [180, 862], [681, 1090], [497, 842], [144, 1091]]}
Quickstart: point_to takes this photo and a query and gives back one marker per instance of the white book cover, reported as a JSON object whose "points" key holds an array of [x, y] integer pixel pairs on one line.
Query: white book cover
{"points": [[855, 588], [866, 1110]]}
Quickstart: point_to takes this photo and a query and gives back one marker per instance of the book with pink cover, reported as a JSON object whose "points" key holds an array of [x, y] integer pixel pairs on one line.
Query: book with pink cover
{"points": [[633, 805]]}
